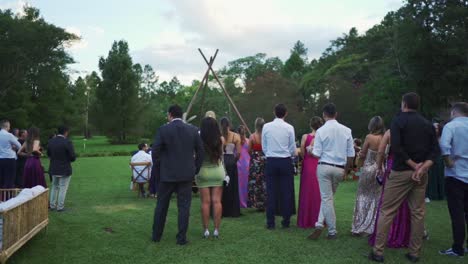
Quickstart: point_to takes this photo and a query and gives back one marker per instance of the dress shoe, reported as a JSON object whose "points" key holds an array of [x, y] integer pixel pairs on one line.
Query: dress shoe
{"points": [[412, 258], [316, 234], [182, 243], [376, 258]]}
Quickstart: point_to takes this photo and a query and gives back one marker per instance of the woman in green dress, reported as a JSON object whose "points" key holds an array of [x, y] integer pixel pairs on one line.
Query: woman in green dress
{"points": [[211, 176]]}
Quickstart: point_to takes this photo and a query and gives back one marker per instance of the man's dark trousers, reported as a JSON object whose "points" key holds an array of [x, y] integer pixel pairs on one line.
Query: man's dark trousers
{"points": [[279, 174]]}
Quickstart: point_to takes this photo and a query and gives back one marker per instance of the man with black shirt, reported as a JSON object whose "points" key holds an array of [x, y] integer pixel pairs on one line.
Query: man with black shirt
{"points": [[415, 147]]}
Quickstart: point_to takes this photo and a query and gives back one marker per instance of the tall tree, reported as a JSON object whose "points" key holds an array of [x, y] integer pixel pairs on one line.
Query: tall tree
{"points": [[117, 93]]}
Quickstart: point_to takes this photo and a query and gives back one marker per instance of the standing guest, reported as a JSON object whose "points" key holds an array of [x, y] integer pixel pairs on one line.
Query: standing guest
{"points": [[435, 186], [8, 145], [178, 156], [399, 234], [23, 134], [454, 145], [15, 132], [142, 157], [415, 147], [243, 167], [232, 151], [369, 189], [257, 183], [33, 174], [278, 141], [61, 154], [309, 194], [334, 148], [211, 176]]}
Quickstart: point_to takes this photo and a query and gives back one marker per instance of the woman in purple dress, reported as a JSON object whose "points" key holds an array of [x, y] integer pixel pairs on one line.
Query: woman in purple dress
{"points": [[243, 165], [309, 194], [33, 173], [400, 230]]}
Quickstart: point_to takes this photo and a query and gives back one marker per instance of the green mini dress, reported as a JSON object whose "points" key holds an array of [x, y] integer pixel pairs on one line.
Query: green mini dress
{"points": [[210, 175]]}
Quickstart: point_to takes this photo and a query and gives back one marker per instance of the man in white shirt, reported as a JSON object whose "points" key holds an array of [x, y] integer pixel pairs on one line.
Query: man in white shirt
{"points": [[141, 173], [279, 146], [8, 146], [334, 147]]}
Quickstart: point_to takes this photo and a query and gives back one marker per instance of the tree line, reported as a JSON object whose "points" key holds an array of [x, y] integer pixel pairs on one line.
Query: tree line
{"points": [[420, 47]]}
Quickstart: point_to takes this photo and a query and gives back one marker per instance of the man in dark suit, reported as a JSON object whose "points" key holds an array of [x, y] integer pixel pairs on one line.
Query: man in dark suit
{"points": [[61, 154], [178, 155]]}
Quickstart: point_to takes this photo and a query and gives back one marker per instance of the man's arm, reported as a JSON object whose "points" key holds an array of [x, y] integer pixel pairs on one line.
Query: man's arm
{"points": [[397, 148], [292, 142], [318, 146], [446, 146], [264, 140], [70, 150], [199, 152]]}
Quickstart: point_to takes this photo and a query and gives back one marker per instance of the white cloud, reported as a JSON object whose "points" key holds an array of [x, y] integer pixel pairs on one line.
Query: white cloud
{"points": [[16, 6], [80, 44]]}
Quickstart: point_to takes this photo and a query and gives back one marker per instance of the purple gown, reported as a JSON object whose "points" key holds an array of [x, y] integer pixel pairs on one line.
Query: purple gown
{"points": [[309, 194], [33, 173], [399, 234], [243, 165]]}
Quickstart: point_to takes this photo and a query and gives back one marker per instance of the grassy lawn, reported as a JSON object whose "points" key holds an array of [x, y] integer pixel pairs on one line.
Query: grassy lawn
{"points": [[99, 145], [99, 198]]}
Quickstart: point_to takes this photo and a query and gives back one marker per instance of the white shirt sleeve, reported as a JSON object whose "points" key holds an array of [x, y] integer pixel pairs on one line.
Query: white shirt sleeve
{"points": [[292, 142], [264, 140], [446, 141], [350, 146], [318, 148]]}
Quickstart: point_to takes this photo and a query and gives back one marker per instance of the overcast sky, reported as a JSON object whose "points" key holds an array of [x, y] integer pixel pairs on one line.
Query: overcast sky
{"points": [[167, 33]]}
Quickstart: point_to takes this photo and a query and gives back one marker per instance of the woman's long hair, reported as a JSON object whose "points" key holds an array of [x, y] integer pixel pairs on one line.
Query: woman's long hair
{"points": [[242, 131], [225, 126], [211, 137], [33, 134]]}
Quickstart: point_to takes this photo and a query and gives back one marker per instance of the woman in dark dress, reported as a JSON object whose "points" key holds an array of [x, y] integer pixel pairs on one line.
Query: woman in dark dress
{"points": [[232, 150], [33, 173]]}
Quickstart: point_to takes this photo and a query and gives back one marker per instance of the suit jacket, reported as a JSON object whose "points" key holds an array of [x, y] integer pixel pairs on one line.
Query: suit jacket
{"points": [[177, 152], [61, 154]]}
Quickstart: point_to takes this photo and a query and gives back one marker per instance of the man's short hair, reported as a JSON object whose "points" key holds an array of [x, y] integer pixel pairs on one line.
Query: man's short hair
{"points": [[141, 146], [411, 100], [3, 123], [461, 108], [329, 110], [175, 111], [280, 110], [61, 130]]}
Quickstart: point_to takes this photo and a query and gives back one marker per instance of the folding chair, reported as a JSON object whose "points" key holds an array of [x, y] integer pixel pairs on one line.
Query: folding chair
{"points": [[142, 175]]}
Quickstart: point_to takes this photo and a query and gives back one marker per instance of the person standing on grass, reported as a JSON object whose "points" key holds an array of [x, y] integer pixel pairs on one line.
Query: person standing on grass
{"points": [[212, 175], [279, 146], [8, 144], [454, 146], [415, 147], [177, 155], [61, 154], [334, 148]]}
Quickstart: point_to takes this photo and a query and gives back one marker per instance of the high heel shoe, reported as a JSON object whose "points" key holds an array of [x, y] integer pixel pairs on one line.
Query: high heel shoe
{"points": [[216, 233], [206, 234]]}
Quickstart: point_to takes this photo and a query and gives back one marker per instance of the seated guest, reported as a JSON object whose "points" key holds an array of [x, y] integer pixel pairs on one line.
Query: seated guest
{"points": [[141, 156]]}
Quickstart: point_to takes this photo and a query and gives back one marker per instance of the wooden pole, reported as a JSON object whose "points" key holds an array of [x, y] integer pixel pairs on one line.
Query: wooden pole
{"points": [[225, 92], [189, 108]]}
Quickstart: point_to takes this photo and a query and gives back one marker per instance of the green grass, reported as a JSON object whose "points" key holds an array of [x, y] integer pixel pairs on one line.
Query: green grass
{"points": [[99, 197], [99, 146]]}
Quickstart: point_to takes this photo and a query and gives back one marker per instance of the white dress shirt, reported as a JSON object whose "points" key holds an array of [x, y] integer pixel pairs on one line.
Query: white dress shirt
{"points": [[454, 143], [141, 156], [333, 143], [7, 140], [278, 139]]}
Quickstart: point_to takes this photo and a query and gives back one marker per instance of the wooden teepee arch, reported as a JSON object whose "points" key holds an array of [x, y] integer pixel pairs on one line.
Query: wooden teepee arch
{"points": [[204, 85]]}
